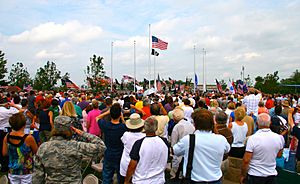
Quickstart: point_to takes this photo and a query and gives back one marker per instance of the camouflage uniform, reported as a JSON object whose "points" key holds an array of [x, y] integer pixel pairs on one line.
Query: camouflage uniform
{"points": [[59, 160]]}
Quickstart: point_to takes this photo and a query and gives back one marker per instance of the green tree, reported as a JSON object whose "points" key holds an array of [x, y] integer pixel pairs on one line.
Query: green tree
{"points": [[95, 73], [65, 77], [18, 75], [268, 84], [294, 79], [46, 78], [3, 69], [259, 82]]}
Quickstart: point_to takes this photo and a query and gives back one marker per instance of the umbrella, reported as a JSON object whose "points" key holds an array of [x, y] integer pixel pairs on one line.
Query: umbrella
{"points": [[149, 91]]}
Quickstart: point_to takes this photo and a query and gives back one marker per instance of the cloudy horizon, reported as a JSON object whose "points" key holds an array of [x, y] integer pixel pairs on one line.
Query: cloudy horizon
{"points": [[260, 35]]}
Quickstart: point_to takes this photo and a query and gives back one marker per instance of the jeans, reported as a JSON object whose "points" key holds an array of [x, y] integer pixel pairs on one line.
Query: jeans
{"points": [[109, 169], [261, 180]]}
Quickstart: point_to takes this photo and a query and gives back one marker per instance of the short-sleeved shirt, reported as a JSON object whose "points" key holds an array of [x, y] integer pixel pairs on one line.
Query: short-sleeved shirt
{"points": [[128, 140], [91, 118], [151, 153], [208, 155], [264, 145], [113, 143]]}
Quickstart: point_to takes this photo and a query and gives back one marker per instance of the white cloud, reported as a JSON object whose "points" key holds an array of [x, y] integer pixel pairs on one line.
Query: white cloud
{"points": [[43, 54], [51, 31]]}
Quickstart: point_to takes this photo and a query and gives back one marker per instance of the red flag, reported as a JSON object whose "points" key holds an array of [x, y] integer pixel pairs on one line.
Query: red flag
{"points": [[219, 87]]}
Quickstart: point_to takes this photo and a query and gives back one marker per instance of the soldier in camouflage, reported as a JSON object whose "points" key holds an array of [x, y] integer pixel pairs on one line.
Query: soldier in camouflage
{"points": [[59, 160]]}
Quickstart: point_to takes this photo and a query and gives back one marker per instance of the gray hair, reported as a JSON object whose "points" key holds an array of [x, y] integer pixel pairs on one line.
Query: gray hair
{"points": [[150, 124], [221, 117], [146, 102], [264, 120], [178, 114]]}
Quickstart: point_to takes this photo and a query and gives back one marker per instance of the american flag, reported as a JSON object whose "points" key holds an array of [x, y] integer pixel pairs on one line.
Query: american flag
{"points": [[158, 43], [71, 84]]}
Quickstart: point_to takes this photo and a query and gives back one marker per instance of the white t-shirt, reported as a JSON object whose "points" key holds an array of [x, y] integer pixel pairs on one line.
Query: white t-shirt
{"points": [[128, 140], [264, 145], [188, 110], [239, 134], [151, 153], [5, 114]]}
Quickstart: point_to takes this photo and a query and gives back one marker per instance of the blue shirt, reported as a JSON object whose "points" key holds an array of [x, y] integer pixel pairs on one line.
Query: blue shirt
{"points": [[112, 133], [208, 155]]}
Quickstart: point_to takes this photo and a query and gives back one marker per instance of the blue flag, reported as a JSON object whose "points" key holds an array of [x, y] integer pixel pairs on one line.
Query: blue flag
{"points": [[196, 80]]}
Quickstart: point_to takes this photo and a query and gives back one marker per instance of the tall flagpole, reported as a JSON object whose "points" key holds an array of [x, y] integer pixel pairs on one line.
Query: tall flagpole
{"points": [[111, 67], [194, 69], [204, 86], [205, 69], [155, 73], [149, 61], [134, 60]]}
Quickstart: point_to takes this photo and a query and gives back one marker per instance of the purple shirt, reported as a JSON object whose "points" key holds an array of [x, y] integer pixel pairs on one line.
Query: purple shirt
{"points": [[83, 104]]}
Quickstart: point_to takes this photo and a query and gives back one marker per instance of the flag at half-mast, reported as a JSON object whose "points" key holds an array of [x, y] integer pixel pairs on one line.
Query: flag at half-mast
{"points": [[69, 83], [159, 44]]}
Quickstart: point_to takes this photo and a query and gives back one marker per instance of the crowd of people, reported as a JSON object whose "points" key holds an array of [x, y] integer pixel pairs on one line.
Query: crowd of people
{"points": [[45, 135]]}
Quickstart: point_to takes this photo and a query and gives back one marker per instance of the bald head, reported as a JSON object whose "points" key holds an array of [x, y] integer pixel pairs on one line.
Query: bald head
{"points": [[264, 120]]}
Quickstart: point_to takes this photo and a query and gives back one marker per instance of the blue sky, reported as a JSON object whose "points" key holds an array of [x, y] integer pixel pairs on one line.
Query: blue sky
{"points": [[263, 36]]}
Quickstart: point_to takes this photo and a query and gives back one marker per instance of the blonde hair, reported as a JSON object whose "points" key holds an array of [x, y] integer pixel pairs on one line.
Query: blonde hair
{"points": [[239, 113], [214, 103], [68, 110]]}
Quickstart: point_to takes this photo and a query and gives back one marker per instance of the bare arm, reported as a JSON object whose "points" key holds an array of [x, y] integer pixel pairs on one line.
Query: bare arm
{"points": [[245, 166], [31, 142], [50, 114], [101, 116], [162, 109], [5, 147], [130, 171]]}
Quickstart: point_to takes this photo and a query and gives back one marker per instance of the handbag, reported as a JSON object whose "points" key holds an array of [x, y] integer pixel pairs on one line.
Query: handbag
{"points": [[187, 179]]}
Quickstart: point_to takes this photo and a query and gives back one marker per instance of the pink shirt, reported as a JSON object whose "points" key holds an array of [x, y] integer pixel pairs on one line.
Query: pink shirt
{"points": [[91, 118]]}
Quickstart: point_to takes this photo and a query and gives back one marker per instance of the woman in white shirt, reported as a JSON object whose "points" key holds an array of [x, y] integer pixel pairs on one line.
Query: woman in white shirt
{"points": [[239, 131], [135, 127]]}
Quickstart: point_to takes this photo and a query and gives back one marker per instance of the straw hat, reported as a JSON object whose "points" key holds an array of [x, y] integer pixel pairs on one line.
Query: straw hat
{"points": [[135, 121], [285, 103]]}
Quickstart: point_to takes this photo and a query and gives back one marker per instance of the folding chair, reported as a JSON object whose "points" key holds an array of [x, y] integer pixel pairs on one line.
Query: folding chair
{"points": [[4, 179], [90, 179]]}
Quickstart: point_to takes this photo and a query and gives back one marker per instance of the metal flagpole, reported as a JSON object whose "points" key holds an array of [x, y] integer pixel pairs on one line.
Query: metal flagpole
{"points": [[149, 61], [155, 73], [134, 60], [111, 67], [204, 66], [195, 69], [203, 86]]}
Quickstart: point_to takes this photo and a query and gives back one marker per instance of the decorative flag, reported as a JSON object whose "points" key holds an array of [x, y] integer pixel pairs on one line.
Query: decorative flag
{"points": [[233, 86], [196, 80], [27, 87], [71, 84], [154, 53], [117, 82], [230, 87], [219, 87], [158, 43], [127, 78], [158, 84], [241, 87]]}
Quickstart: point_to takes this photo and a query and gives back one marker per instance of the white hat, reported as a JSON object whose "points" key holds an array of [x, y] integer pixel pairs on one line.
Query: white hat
{"points": [[134, 122]]}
